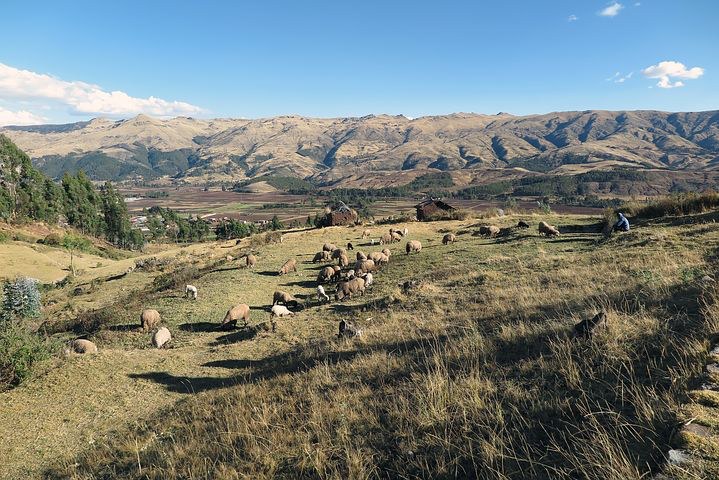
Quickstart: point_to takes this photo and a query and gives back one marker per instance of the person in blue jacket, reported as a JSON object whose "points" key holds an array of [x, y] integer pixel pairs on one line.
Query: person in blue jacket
{"points": [[622, 224]]}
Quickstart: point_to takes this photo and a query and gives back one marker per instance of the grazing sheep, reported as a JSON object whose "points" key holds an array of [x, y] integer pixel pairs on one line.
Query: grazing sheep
{"points": [[396, 236], [366, 234], [350, 287], [283, 297], [321, 295], [361, 255], [348, 330], [387, 252], [289, 266], [448, 238], [328, 247], [365, 266], [489, 230], [393, 231], [323, 256], [385, 240], [350, 274], [83, 346], [337, 269], [191, 291], [586, 327], [241, 311], [547, 229], [522, 224], [350, 246], [161, 337], [280, 311], [376, 257], [413, 246], [325, 275], [338, 252], [344, 261], [149, 319], [250, 261], [368, 279]]}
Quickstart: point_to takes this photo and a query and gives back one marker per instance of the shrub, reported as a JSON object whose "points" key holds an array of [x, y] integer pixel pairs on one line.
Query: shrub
{"points": [[682, 204], [21, 299], [20, 350], [4, 237], [52, 239], [176, 278]]}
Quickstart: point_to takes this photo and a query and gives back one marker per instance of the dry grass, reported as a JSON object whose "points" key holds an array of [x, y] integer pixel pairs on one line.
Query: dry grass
{"points": [[472, 374]]}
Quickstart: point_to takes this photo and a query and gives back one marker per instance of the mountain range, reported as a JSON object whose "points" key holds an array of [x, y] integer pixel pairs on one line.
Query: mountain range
{"points": [[375, 149]]}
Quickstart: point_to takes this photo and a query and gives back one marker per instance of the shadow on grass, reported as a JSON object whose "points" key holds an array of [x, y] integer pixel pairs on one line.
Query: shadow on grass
{"points": [[241, 335], [301, 283], [133, 327], [200, 327]]}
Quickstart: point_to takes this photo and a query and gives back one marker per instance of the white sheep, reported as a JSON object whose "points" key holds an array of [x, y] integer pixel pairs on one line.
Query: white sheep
{"points": [[368, 279], [280, 311], [191, 291], [321, 295]]}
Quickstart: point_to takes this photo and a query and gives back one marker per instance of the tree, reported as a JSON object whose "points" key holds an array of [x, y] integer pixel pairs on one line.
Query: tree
{"points": [[72, 243], [21, 299], [275, 223]]}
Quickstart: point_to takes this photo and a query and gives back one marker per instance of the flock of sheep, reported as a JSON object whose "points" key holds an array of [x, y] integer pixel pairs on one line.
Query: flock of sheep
{"points": [[349, 280]]}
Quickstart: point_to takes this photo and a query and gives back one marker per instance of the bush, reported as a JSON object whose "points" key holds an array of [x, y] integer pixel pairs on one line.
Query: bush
{"points": [[176, 278], [4, 237], [52, 239], [682, 204], [21, 299], [20, 350]]}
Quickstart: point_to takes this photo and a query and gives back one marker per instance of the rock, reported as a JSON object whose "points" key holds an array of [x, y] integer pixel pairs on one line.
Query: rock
{"points": [[161, 337], [677, 457], [698, 430], [83, 346]]}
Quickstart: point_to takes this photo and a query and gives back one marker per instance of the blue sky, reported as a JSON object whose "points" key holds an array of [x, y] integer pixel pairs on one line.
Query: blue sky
{"points": [[61, 61]]}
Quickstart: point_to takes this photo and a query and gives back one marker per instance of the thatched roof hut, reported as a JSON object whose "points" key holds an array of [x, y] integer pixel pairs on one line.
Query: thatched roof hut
{"points": [[341, 214], [431, 207]]}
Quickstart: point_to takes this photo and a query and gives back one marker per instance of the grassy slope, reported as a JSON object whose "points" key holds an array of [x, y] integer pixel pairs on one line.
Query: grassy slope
{"points": [[470, 374]]}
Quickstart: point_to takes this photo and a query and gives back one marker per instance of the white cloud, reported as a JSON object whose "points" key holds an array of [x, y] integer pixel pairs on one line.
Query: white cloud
{"points": [[611, 10], [85, 98], [668, 71], [572, 18], [21, 117], [619, 78]]}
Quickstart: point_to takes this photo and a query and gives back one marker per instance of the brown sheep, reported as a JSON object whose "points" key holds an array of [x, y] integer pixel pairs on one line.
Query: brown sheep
{"points": [[393, 231], [83, 346], [376, 256], [241, 311], [396, 236], [289, 266], [386, 239], [338, 252], [413, 246], [283, 297], [344, 261], [328, 247], [337, 269], [325, 274], [323, 256], [250, 261], [547, 229], [350, 287], [149, 319], [364, 266], [387, 252], [367, 233], [489, 230], [361, 255], [448, 238]]}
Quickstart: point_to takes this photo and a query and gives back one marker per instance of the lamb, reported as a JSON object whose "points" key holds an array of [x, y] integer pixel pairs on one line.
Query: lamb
{"points": [[283, 297], [325, 275], [83, 346], [448, 238], [250, 261], [289, 266], [161, 337], [413, 246], [365, 266], [280, 311], [366, 234], [348, 329], [321, 295], [350, 287], [489, 230], [522, 224], [385, 240], [547, 229], [149, 319], [350, 274], [368, 279], [586, 327], [350, 246], [361, 255], [328, 247], [241, 311], [191, 291]]}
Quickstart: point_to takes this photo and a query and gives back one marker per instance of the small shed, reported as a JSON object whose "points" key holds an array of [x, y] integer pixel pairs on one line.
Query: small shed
{"points": [[431, 207], [341, 214]]}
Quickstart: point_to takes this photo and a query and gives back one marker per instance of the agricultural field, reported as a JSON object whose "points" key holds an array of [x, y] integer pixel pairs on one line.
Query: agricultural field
{"points": [[472, 371]]}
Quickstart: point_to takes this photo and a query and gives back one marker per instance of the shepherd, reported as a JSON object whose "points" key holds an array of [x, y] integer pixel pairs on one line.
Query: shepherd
{"points": [[622, 224]]}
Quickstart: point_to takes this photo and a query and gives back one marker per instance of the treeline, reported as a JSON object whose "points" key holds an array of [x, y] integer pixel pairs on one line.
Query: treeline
{"points": [[166, 224], [28, 195]]}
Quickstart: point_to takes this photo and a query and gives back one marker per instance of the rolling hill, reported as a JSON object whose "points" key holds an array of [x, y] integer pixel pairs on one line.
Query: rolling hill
{"points": [[355, 151]]}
